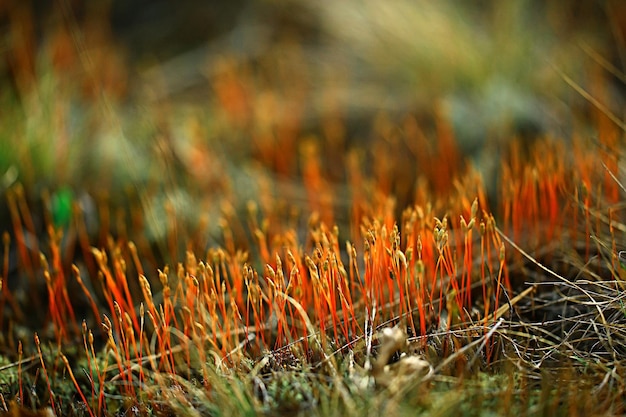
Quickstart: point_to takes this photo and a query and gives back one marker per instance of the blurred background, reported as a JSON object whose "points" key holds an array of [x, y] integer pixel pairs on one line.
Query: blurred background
{"points": [[196, 111]]}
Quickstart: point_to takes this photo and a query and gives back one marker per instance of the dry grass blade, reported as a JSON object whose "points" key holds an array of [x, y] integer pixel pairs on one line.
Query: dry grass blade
{"points": [[591, 99]]}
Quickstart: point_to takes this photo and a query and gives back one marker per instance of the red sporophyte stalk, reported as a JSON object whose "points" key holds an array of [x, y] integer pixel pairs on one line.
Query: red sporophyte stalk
{"points": [[45, 373], [19, 371], [5, 293], [90, 365], [92, 302], [80, 392], [28, 257]]}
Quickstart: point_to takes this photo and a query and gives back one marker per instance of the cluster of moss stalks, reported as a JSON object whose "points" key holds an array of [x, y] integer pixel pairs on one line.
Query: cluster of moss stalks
{"points": [[438, 311], [150, 267]]}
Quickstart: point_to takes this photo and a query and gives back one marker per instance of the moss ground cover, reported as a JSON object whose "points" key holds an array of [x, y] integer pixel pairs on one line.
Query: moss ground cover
{"points": [[242, 232]]}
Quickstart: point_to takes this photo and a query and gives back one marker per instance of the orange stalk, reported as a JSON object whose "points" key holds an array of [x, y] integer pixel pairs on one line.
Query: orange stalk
{"points": [[89, 364], [92, 302], [80, 392], [45, 373], [19, 371]]}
